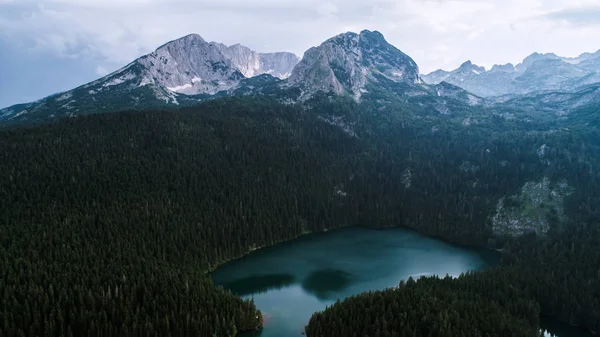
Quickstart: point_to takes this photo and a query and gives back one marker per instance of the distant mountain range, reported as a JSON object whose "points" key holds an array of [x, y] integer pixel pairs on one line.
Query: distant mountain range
{"points": [[363, 66], [190, 70], [537, 72]]}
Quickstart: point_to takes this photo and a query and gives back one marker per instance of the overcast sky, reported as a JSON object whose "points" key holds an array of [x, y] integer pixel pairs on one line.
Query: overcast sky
{"points": [[47, 46]]}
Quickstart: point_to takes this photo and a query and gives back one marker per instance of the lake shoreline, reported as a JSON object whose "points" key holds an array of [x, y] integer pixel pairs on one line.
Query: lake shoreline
{"points": [[307, 235], [310, 233], [293, 280]]}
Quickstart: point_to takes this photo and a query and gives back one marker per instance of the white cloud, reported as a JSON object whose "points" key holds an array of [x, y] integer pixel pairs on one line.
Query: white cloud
{"points": [[436, 33], [101, 71]]}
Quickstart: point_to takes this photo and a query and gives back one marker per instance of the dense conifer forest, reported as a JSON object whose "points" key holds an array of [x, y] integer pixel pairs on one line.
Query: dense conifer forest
{"points": [[476, 304], [557, 276], [109, 222]]}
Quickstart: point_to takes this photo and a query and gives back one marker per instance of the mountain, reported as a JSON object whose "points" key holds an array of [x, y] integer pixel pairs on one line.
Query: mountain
{"points": [[190, 70], [131, 210], [349, 62], [529, 60], [192, 66], [182, 71], [367, 69], [466, 70], [251, 63], [537, 72], [558, 102]]}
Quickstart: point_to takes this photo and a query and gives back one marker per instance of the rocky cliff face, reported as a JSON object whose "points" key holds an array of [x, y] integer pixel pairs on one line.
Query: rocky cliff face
{"points": [[191, 65], [251, 63], [346, 63], [278, 64], [363, 66], [175, 73]]}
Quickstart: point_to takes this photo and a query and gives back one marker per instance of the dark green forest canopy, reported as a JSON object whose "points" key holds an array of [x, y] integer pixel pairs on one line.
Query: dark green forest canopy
{"points": [[557, 276], [108, 222], [478, 304]]}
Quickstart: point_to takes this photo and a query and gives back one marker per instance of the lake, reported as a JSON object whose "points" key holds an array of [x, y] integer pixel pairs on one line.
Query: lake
{"points": [[290, 281]]}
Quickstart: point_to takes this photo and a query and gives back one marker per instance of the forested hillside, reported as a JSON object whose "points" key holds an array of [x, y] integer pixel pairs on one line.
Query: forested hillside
{"points": [[557, 276], [108, 222], [476, 304]]}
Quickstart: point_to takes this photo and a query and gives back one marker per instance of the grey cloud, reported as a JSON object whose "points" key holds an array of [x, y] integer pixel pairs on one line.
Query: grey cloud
{"points": [[434, 32], [577, 16]]}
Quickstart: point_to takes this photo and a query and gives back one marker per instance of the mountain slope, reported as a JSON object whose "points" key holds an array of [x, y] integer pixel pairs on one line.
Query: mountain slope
{"points": [[183, 71], [251, 63], [347, 63], [559, 102], [190, 70], [537, 72], [362, 66]]}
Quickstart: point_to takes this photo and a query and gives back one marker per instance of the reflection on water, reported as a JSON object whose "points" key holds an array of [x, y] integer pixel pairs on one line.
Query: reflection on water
{"points": [[553, 328], [325, 283], [257, 284], [289, 282]]}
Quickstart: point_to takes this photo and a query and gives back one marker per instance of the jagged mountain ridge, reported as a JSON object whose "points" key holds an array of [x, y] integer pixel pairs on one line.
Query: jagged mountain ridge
{"points": [[362, 66], [189, 70], [537, 72], [347, 62], [190, 65], [560, 103], [182, 71]]}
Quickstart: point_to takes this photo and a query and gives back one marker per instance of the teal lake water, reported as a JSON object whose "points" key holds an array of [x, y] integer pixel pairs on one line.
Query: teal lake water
{"points": [[290, 281]]}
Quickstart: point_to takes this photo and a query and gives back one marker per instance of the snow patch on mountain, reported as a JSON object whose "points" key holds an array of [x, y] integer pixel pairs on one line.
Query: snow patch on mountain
{"points": [[64, 96], [146, 80], [181, 88], [190, 65], [119, 79], [22, 112]]}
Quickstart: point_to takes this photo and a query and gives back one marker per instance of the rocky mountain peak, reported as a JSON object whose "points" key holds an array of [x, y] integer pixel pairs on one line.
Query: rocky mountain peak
{"points": [[509, 67], [373, 34], [537, 72], [190, 65], [183, 42], [348, 62], [529, 60], [468, 66], [174, 73]]}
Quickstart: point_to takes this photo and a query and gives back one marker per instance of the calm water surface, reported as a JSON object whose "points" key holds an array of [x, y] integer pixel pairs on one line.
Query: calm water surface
{"points": [[289, 282], [553, 328]]}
